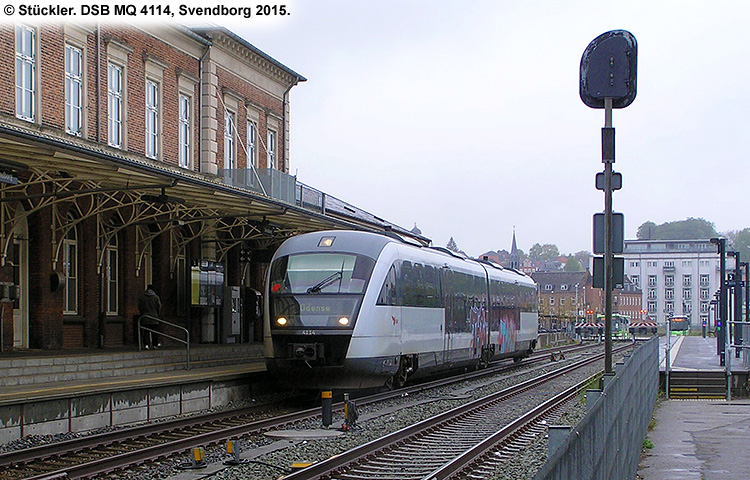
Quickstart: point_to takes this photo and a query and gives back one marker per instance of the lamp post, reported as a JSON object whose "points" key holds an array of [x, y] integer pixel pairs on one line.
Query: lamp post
{"points": [[721, 244]]}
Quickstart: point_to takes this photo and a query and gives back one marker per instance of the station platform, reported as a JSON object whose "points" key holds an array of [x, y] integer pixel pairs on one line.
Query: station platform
{"points": [[50, 393], [694, 353], [698, 439]]}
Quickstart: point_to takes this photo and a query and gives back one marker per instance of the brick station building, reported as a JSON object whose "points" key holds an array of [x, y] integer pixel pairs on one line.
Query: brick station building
{"points": [[144, 155]]}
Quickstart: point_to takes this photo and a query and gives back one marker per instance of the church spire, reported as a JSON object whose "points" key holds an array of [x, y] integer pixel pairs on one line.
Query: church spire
{"points": [[515, 258]]}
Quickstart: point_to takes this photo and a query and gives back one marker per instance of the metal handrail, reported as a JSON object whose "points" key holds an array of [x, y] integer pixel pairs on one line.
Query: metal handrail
{"points": [[159, 320]]}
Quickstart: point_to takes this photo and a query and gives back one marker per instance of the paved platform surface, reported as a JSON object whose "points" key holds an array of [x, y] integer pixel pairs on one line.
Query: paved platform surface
{"points": [[694, 353], [698, 439], [13, 394]]}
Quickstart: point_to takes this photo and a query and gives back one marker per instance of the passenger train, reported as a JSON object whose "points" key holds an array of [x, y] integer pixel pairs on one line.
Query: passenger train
{"points": [[350, 309]]}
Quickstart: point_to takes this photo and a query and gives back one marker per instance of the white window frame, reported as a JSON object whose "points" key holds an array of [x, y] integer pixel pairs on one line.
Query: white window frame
{"points": [[153, 92], [73, 90], [115, 103], [70, 272], [252, 142], [26, 73], [185, 130], [111, 279], [148, 264], [271, 145], [652, 281], [230, 131]]}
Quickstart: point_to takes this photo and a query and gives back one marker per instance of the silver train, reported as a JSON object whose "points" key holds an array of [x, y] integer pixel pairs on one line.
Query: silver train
{"points": [[348, 310]]}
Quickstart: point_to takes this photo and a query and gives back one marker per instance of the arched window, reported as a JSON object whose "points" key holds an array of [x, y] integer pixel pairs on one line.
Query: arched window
{"points": [[70, 270]]}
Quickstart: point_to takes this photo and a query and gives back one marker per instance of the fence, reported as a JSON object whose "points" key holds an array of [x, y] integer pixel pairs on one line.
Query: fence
{"points": [[266, 181], [607, 443]]}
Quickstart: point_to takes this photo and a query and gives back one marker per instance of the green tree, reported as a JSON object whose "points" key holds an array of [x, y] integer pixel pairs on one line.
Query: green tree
{"points": [[546, 252], [584, 258], [741, 243], [573, 265], [452, 246], [646, 230], [690, 229]]}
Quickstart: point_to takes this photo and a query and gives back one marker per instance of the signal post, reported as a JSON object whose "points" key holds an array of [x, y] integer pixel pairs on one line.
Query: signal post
{"points": [[608, 80]]}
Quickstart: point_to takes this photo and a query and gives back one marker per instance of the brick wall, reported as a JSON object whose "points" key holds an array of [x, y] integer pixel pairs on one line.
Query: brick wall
{"points": [[257, 98], [178, 54]]}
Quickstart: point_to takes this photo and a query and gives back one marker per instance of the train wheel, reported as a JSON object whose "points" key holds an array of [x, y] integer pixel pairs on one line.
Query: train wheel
{"points": [[484, 360], [399, 379]]}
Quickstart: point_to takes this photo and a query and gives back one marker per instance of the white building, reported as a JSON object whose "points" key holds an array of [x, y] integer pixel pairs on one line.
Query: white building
{"points": [[677, 277]]}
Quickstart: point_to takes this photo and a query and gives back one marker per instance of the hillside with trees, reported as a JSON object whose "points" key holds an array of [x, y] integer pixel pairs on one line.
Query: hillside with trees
{"points": [[690, 229]]}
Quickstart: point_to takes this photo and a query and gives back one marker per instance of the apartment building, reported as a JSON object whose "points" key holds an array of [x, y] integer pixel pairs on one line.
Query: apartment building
{"points": [[677, 277]]}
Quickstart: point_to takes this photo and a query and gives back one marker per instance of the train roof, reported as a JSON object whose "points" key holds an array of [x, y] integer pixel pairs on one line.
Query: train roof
{"points": [[372, 244]]}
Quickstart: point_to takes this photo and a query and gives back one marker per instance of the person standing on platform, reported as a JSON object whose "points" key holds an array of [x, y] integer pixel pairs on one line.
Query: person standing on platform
{"points": [[149, 305]]}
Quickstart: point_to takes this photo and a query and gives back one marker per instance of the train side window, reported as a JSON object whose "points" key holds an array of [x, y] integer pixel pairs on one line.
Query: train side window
{"points": [[388, 291], [408, 284], [432, 280]]}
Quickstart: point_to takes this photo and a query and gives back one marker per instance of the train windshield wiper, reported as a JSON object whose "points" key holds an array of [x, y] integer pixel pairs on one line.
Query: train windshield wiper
{"points": [[324, 283]]}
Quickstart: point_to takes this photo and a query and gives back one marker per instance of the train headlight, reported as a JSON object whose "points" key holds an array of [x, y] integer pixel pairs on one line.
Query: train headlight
{"points": [[281, 321], [344, 321]]}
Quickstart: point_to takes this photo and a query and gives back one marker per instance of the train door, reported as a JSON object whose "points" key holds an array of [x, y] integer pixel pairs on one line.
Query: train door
{"points": [[446, 285]]}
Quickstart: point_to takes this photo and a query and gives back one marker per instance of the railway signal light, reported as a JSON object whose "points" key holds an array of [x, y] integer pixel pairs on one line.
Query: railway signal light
{"points": [[608, 80]]}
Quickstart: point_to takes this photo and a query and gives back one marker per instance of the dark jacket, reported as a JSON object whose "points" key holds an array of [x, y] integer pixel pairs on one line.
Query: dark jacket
{"points": [[149, 303]]}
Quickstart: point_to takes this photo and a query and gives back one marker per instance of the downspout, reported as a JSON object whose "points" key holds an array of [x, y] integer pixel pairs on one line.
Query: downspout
{"points": [[98, 81], [200, 106], [284, 102]]}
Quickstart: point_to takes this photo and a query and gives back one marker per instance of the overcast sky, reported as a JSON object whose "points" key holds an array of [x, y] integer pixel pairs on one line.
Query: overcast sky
{"points": [[464, 116]]}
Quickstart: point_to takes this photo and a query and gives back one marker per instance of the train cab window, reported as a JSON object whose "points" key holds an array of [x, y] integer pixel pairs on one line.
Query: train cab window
{"points": [[388, 291], [315, 273]]}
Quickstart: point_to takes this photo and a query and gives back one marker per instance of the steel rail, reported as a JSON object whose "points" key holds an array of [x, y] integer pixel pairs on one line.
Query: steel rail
{"points": [[57, 449], [154, 452], [492, 443], [326, 469]]}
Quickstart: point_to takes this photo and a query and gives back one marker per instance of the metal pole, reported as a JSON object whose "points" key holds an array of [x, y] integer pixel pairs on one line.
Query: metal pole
{"points": [[608, 257], [722, 318], [737, 305], [728, 357], [667, 359]]}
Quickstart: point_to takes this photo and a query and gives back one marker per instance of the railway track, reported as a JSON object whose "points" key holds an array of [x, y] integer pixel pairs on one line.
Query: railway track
{"points": [[442, 446], [88, 457]]}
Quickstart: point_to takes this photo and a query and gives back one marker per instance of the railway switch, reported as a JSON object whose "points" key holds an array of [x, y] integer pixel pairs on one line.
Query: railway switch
{"points": [[350, 414], [197, 461], [233, 449]]}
